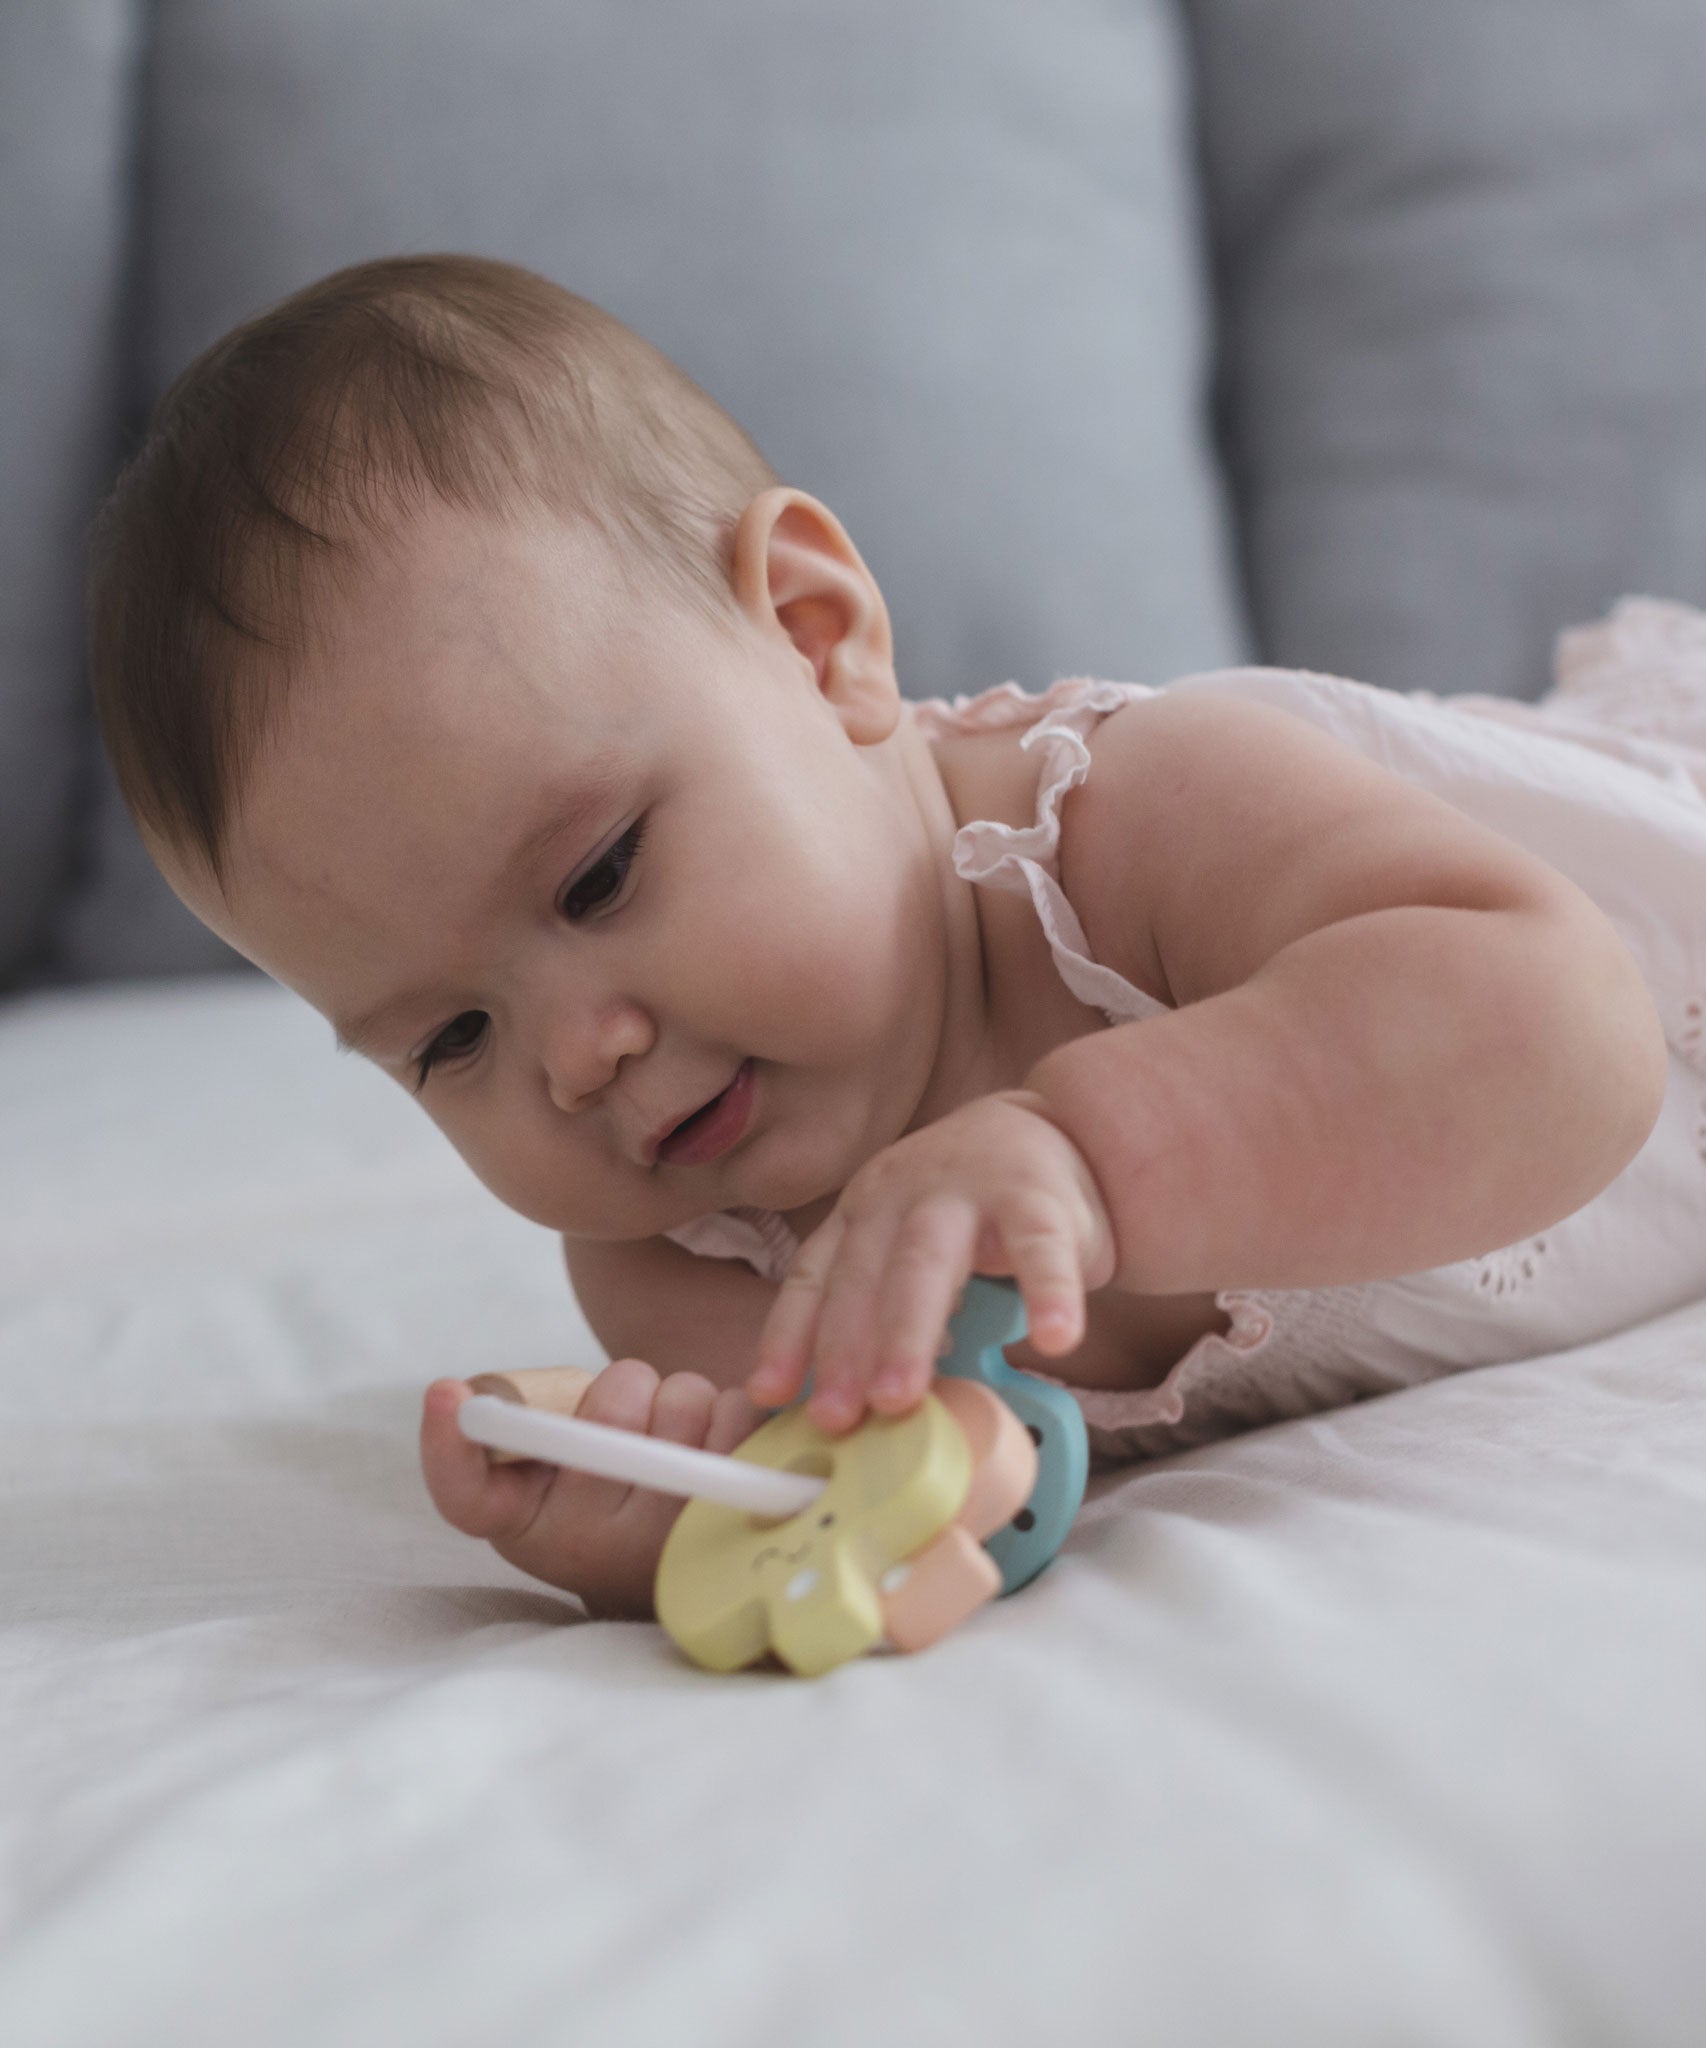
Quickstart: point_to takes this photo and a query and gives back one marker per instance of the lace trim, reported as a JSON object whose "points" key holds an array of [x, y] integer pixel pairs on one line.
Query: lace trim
{"points": [[1021, 859], [1648, 643], [1112, 1408], [1287, 1352]]}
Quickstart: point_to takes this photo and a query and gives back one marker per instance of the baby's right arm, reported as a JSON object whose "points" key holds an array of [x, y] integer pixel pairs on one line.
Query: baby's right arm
{"points": [[682, 1332], [652, 1298]]}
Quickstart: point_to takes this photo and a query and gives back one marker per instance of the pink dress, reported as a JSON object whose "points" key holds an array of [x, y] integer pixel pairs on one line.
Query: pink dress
{"points": [[1605, 779]]}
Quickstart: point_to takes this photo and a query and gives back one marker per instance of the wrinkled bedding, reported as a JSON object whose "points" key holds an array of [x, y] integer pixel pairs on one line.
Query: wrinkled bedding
{"points": [[1385, 1726]]}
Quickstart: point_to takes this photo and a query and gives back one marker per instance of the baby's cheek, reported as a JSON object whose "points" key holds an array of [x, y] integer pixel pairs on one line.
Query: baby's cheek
{"points": [[546, 1171], [856, 980]]}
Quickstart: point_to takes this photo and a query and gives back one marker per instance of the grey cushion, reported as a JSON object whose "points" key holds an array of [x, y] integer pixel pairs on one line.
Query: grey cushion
{"points": [[1462, 252], [940, 259], [66, 88]]}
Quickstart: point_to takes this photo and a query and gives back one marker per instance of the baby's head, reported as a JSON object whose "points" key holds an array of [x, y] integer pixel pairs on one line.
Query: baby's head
{"points": [[468, 669]]}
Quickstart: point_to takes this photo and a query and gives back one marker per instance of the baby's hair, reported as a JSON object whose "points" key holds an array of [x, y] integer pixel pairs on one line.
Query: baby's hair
{"points": [[326, 420]]}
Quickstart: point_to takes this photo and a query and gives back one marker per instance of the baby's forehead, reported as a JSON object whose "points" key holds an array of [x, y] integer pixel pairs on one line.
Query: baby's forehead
{"points": [[404, 747], [479, 670], [531, 603]]}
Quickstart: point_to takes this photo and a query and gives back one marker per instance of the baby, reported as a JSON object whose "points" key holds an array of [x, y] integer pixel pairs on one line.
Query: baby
{"points": [[469, 671]]}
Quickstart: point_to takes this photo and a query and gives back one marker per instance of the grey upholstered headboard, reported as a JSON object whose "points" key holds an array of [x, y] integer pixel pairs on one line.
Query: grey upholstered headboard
{"points": [[1125, 338]]}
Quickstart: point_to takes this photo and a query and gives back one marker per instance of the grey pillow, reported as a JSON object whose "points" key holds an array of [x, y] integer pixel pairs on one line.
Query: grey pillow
{"points": [[67, 72], [940, 259], [1461, 252]]}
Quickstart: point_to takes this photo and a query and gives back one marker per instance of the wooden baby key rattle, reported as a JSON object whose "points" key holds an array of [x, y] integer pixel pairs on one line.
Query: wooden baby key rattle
{"points": [[817, 1548]]}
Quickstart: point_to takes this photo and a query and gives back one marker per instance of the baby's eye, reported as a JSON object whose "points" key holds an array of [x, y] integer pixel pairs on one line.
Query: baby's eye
{"points": [[590, 893], [458, 1038]]}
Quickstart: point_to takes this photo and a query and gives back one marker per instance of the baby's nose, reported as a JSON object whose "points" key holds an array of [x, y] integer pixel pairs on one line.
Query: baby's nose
{"points": [[581, 1053]]}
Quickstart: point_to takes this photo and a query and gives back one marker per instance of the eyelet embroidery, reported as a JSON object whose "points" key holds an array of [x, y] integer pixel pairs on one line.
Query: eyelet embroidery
{"points": [[1688, 1042], [1512, 1268]]}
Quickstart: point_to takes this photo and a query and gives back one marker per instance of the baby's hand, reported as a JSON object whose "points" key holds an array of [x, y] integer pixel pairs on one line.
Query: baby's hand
{"points": [[599, 1538], [994, 1187]]}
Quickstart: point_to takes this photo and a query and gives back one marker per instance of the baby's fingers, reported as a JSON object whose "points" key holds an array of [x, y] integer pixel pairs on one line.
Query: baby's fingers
{"points": [[733, 1419], [471, 1493], [687, 1409], [785, 1343], [682, 1412], [623, 1396], [922, 1288], [1043, 1253]]}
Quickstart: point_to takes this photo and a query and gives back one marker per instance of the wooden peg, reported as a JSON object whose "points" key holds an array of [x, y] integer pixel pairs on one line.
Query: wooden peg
{"points": [[558, 1389]]}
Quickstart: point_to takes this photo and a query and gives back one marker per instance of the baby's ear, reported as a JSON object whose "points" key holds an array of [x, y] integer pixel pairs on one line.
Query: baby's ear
{"points": [[795, 570]]}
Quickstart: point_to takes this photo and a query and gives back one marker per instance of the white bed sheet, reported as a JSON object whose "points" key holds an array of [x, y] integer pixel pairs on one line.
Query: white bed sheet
{"points": [[1381, 1728]]}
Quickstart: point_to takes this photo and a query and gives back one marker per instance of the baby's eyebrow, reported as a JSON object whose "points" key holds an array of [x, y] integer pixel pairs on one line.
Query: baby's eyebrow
{"points": [[561, 811], [356, 1034]]}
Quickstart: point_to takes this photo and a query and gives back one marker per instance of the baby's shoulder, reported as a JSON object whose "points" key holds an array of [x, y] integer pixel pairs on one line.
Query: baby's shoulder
{"points": [[1170, 774]]}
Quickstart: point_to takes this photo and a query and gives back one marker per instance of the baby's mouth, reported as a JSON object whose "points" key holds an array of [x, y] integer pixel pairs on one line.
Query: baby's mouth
{"points": [[699, 1115], [714, 1126]]}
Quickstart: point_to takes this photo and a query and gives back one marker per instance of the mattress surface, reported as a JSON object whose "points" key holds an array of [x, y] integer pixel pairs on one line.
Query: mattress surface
{"points": [[1384, 1726]]}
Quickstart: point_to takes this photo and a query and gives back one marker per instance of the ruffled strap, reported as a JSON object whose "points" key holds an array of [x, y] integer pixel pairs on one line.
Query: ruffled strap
{"points": [[1021, 858]]}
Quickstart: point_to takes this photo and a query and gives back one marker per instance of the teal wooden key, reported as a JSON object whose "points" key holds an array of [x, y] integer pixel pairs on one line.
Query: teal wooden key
{"points": [[991, 1315]]}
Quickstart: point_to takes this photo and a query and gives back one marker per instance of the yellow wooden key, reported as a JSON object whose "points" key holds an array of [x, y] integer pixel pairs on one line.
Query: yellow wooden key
{"points": [[731, 1585]]}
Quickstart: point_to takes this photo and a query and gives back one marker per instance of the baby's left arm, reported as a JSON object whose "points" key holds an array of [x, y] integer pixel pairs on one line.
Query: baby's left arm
{"points": [[1399, 1039]]}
